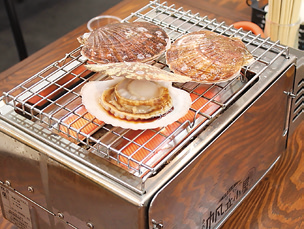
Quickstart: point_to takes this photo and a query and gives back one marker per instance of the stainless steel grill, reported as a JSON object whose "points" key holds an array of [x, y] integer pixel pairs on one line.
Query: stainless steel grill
{"points": [[190, 174], [51, 97]]}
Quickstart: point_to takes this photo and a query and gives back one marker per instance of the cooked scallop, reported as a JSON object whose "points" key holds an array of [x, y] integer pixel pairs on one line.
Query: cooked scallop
{"points": [[137, 99], [135, 104], [207, 57], [130, 42]]}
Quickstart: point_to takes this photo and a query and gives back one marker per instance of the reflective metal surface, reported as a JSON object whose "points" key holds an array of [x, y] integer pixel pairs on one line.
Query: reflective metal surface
{"points": [[208, 188]]}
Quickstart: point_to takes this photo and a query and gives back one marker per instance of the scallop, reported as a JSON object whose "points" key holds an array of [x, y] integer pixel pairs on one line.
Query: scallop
{"points": [[145, 105], [207, 57], [137, 99], [129, 42]]}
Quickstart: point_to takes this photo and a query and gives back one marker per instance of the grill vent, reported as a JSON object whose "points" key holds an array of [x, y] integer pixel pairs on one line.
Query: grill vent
{"points": [[297, 109], [298, 101]]}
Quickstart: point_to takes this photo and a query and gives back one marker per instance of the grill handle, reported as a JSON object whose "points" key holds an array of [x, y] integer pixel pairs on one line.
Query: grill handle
{"points": [[290, 97]]}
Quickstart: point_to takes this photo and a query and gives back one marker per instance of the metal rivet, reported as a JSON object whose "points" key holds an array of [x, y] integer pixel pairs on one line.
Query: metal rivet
{"points": [[30, 189], [7, 183], [60, 215], [90, 225], [157, 225]]}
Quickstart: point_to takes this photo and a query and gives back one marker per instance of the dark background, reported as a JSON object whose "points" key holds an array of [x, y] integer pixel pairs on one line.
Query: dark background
{"points": [[43, 21]]}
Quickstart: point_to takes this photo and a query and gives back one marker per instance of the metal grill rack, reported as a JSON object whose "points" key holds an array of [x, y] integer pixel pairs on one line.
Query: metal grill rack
{"points": [[52, 96]]}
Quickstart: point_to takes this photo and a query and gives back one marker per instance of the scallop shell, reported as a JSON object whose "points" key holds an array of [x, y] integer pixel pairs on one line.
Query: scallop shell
{"points": [[130, 42], [137, 70], [207, 57], [93, 91]]}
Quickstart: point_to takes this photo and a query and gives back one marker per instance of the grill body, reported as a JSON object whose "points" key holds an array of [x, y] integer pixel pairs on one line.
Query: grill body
{"points": [[215, 181], [49, 180], [198, 189]]}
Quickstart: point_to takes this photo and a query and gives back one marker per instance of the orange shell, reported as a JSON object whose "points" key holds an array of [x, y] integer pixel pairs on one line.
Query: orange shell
{"points": [[207, 57]]}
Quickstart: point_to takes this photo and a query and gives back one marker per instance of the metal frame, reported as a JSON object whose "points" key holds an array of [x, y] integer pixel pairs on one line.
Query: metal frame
{"points": [[67, 76]]}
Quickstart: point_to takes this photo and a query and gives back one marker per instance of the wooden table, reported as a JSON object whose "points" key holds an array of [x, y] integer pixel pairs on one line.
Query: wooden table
{"points": [[278, 200]]}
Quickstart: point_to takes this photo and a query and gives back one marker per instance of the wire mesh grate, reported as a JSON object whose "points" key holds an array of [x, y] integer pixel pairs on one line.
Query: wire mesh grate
{"points": [[52, 96]]}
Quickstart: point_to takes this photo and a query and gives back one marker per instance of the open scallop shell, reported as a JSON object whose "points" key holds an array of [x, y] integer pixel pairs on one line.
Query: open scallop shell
{"points": [[207, 57], [134, 41], [93, 91]]}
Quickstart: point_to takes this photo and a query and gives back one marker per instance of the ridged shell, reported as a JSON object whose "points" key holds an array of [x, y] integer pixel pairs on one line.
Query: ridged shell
{"points": [[207, 57], [137, 70], [130, 42]]}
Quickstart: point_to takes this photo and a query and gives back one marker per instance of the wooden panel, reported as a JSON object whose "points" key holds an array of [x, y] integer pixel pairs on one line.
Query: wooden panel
{"points": [[278, 200]]}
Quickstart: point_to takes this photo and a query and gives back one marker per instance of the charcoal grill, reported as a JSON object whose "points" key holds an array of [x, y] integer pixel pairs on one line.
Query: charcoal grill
{"points": [[61, 167]]}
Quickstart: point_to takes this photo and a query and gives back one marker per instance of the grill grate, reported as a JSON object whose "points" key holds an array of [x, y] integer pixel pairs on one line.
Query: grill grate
{"points": [[52, 96]]}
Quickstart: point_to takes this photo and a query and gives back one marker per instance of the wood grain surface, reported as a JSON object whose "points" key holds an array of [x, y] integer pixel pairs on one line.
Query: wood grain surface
{"points": [[278, 200]]}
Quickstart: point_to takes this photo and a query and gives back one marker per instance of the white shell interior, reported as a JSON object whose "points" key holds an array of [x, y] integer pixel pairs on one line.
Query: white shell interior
{"points": [[92, 91]]}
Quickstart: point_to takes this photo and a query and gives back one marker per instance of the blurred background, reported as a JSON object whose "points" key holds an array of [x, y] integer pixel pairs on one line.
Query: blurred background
{"points": [[43, 21]]}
